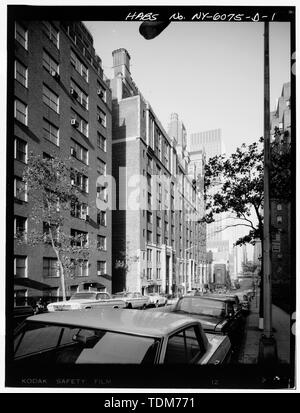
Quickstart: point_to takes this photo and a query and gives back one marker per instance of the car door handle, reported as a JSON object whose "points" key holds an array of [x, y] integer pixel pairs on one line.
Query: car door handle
{"points": [[217, 362]]}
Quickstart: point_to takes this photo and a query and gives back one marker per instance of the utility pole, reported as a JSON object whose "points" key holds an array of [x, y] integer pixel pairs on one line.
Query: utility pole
{"points": [[267, 348]]}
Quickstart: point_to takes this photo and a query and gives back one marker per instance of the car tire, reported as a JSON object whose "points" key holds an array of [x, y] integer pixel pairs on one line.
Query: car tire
{"points": [[144, 307], [129, 306], [156, 304]]}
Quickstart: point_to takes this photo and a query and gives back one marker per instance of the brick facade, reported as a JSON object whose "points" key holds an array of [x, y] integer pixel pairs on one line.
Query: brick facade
{"points": [[57, 55]]}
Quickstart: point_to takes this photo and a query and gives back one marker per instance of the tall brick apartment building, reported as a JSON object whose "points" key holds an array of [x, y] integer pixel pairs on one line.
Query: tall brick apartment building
{"points": [[153, 228], [62, 107], [281, 211]]}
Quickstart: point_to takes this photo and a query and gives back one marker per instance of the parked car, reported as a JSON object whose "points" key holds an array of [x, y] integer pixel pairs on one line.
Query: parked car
{"points": [[157, 300], [233, 297], [120, 336], [216, 313], [171, 299], [244, 303], [133, 300], [87, 300], [20, 313]]}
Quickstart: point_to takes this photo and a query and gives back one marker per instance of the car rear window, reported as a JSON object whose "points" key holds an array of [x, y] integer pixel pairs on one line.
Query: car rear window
{"points": [[201, 306], [69, 345], [184, 347], [79, 296]]}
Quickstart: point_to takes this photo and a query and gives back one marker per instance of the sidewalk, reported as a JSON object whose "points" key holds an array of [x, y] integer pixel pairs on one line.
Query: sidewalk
{"points": [[281, 329]]}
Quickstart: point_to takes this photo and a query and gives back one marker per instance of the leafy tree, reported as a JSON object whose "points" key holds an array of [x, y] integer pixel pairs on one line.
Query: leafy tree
{"points": [[249, 266], [53, 195], [239, 180]]}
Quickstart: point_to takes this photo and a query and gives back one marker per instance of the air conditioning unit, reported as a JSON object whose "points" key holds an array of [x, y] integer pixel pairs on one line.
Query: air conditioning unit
{"points": [[73, 152], [100, 92], [73, 93], [75, 123], [55, 75]]}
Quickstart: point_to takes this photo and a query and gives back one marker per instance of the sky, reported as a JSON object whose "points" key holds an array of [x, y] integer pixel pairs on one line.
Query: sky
{"points": [[211, 74]]}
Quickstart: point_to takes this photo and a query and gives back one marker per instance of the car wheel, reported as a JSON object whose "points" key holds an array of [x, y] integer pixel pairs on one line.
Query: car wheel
{"points": [[157, 304], [129, 306], [144, 307]]}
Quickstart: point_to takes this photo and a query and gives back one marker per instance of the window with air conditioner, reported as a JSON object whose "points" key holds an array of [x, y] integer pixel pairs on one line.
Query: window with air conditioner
{"points": [[79, 123], [101, 92], [101, 117], [73, 93], [55, 75], [79, 152], [50, 64], [79, 94]]}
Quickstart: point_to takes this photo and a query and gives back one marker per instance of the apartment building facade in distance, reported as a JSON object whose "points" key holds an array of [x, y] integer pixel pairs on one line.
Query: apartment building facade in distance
{"points": [[62, 108], [281, 211], [155, 237]]}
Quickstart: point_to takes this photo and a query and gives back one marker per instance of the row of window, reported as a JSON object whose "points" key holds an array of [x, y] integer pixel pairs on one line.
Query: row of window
{"points": [[150, 274], [51, 268], [21, 35], [80, 238], [149, 255], [50, 131], [77, 150], [77, 179]]}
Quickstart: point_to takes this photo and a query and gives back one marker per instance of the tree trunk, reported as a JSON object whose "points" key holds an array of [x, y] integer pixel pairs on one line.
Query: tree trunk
{"points": [[61, 268], [62, 280]]}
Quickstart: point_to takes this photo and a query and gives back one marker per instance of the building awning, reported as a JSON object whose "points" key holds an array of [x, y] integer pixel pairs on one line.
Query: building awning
{"points": [[29, 283]]}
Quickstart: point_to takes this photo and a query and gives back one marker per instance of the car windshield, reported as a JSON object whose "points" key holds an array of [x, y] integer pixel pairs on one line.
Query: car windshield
{"points": [[73, 345], [80, 296], [201, 306]]}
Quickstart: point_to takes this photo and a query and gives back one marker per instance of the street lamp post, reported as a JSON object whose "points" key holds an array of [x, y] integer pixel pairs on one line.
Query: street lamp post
{"points": [[267, 347]]}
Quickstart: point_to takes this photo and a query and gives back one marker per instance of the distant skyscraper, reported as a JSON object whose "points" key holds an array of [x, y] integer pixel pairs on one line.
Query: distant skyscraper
{"points": [[209, 140], [210, 143]]}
